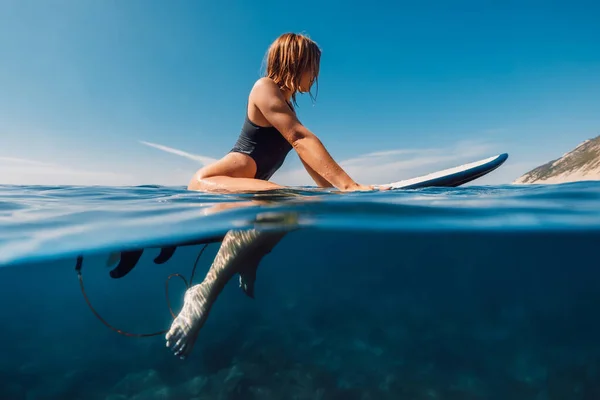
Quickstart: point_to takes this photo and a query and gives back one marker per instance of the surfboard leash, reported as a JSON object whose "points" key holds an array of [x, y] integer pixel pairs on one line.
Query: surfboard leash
{"points": [[78, 268]]}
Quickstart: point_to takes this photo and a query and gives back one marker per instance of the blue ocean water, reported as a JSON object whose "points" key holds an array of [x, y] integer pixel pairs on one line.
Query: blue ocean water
{"points": [[477, 292]]}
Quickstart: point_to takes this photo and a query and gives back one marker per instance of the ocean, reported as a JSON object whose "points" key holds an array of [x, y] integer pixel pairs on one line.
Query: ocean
{"points": [[477, 292]]}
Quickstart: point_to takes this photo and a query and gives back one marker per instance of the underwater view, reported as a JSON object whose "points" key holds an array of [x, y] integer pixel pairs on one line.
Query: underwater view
{"points": [[476, 292]]}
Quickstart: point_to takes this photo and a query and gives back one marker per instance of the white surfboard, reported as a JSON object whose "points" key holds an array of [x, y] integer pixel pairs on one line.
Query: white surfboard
{"points": [[452, 177]]}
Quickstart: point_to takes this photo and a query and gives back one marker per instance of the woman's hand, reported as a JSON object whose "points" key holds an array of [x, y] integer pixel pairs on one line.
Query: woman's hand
{"points": [[364, 188]]}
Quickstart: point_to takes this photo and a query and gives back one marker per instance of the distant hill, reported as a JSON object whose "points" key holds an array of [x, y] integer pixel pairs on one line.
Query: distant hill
{"points": [[581, 163]]}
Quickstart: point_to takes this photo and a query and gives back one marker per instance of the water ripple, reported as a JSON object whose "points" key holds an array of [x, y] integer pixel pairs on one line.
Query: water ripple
{"points": [[45, 221]]}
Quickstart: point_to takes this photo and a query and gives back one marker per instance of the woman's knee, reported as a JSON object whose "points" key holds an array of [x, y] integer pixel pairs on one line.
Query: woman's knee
{"points": [[198, 179]]}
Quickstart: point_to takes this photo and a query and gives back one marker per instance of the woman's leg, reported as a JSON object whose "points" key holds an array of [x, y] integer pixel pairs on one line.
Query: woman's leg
{"points": [[232, 173], [232, 185], [240, 252]]}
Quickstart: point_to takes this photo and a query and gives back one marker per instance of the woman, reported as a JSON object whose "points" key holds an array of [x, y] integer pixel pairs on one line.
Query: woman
{"points": [[270, 131], [271, 128]]}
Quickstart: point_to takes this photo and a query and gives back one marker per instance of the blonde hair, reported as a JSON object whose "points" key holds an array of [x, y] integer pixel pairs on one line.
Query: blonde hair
{"points": [[288, 57]]}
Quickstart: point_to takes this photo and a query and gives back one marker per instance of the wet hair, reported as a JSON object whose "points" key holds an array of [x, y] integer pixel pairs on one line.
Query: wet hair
{"points": [[288, 57]]}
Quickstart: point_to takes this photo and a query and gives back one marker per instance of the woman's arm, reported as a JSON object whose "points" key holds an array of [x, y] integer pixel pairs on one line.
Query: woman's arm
{"points": [[270, 101], [319, 180]]}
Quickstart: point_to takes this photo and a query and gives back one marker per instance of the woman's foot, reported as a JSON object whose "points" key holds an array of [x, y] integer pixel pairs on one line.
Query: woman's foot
{"points": [[184, 329]]}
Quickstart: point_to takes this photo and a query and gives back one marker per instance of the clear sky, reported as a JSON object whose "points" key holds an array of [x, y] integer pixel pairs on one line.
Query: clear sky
{"points": [[143, 92]]}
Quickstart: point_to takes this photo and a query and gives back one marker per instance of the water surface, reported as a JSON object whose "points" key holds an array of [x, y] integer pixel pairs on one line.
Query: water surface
{"points": [[478, 292]]}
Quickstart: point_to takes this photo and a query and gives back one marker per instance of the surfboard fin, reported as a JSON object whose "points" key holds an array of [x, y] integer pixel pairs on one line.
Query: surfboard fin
{"points": [[128, 261], [165, 254], [247, 279]]}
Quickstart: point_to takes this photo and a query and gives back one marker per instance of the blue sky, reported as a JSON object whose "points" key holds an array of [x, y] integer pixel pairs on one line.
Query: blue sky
{"points": [[143, 92]]}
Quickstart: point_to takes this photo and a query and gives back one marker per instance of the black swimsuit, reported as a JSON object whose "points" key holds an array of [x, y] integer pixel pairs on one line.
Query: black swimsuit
{"points": [[265, 144]]}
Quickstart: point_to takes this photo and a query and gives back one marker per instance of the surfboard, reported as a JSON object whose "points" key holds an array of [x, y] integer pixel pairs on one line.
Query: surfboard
{"points": [[452, 177]]}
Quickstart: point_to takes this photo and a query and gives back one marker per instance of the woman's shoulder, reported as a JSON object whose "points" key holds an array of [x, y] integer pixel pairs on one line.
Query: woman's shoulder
{"points": [[264, 84], [264, 89]]}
